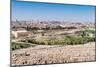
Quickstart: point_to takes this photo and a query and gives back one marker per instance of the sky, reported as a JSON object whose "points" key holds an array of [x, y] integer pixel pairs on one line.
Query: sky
{"points": [[22, 10]]}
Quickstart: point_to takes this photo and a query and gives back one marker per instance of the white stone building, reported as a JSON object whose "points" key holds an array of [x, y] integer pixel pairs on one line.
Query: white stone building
{"points": [[20, 33]]}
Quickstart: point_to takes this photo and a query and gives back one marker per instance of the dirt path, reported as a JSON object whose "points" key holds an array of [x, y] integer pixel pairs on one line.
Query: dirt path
{"points": [[49, 54]]}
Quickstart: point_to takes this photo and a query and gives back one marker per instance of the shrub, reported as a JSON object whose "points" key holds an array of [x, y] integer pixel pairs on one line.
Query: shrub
{"points": [[70, 40], [15, 46]]}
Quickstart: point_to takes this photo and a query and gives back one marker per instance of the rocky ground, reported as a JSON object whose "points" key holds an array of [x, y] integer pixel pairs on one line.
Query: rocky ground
{"points": [[43, 54]]}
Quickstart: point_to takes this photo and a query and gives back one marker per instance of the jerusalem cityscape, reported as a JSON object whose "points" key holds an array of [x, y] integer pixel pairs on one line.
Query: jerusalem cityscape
{"points": [[51, 40]]}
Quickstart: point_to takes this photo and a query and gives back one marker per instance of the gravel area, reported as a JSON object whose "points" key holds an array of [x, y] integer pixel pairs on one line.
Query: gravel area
{"points": [[44, 54]]}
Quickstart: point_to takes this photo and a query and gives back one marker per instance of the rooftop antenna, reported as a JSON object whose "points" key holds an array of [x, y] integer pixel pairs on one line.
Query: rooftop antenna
{"points": [[18, 21]]}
